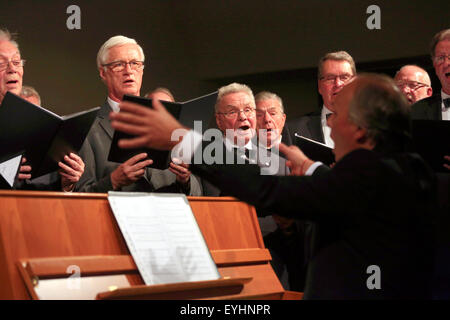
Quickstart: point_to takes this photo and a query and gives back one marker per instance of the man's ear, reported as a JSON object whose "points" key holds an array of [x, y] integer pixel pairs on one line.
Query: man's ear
{"points": [[429, 92], [102, 73], [361, 135]]}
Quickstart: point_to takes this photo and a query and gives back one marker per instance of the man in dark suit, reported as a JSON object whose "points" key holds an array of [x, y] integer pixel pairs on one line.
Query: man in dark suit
{"points": [[334, 71], [235, 118], [285, 241], [437, 107], [120, 62], [374, 205]]}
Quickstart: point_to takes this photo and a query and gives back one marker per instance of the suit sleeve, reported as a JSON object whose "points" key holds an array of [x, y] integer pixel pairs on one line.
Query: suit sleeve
{"points": [[88, 181], [328, 194]]}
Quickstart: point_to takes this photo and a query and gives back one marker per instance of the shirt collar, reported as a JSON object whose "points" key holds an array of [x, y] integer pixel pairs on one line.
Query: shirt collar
{"points": [[114, 104], [230, 145], [325, 111]]}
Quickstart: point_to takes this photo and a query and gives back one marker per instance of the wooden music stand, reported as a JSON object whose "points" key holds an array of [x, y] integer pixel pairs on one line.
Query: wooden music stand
{"points": [[68, 246]]}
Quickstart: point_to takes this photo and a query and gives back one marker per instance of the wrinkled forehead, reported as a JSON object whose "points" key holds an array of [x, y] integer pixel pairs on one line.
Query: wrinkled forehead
{"points": [[125, 52], [411, 75], [268, 104], [8, 50], [236, 100]]}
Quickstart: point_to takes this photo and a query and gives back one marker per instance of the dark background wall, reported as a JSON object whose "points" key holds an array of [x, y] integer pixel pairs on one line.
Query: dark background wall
{"points": [[193, 46]]}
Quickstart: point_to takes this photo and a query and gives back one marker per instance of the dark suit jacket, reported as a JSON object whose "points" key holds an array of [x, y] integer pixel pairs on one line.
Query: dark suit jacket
{"points": [[48, 182], [96, 176], [308, 126], [431, 109], [373, 210], [428, 109]]}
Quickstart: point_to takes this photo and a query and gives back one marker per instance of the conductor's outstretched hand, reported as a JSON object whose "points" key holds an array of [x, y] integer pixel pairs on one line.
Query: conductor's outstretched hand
{"points": [[153, 128]]}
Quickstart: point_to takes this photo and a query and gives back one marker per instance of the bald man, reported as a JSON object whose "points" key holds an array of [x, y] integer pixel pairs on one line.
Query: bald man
{"points": [[414, 82]]}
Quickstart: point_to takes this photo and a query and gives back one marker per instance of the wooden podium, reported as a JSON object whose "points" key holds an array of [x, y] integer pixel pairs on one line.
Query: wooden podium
{"points": [[68, 246]]}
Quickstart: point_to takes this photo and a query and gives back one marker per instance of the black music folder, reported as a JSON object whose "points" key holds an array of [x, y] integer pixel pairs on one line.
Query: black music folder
{"points": [[198, 109], [315, 150], [431, 141], [45, 136]]}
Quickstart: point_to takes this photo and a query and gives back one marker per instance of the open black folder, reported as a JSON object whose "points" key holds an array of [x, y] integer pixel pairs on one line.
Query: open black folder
{"points": [[315, 150], [198, 109], [431, 141], [45, 136]]}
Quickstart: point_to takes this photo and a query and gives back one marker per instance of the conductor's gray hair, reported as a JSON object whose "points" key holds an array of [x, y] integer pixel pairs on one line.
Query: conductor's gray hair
{"points": [[381, 108]]}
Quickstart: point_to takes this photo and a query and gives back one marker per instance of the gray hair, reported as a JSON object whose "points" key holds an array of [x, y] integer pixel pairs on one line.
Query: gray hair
{"points": [[381, 108], [233, 88], [438, 37], [102, 55], [266, 95], [337, 56], [5, 35], [28, 91], [163, 90]]}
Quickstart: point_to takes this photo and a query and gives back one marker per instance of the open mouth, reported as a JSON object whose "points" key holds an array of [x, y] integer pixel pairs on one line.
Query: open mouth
{"points": [[12, 82], [129, 81], [244, 128], [447, 74]]}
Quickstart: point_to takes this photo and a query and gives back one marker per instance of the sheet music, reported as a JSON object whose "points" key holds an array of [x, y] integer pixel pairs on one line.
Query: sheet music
{"points": [[163, 237], [9, 169]]}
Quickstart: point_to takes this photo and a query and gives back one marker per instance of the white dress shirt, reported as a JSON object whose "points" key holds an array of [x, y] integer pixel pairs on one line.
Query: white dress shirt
{"points": [[114, 104], [445, 111], [325, 128]]}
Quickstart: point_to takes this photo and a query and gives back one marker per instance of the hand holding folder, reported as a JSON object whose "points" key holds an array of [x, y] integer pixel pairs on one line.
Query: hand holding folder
{"points": [[199, 109], [44, 136]]}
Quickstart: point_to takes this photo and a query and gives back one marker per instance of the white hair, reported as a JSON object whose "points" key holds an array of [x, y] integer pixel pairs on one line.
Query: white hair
{"points": [[28, 91], [233, 88], [266, 95], [5, 35], [102, 55]]}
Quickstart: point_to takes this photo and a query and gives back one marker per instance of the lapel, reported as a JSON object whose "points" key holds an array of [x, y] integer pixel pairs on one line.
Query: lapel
{"points": [[103, 115], [435, 110], [315, 127]]}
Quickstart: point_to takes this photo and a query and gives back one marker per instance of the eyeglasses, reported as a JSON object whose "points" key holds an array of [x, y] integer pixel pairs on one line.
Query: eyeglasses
{"points": [[412, 85], [440, 59], [15, 63], [331, 78], [117, 66], [272, 112], [232, 114]]}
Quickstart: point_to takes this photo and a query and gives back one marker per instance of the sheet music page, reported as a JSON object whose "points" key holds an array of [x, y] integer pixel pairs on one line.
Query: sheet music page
{"points": [[9, 169], [163, 237]]}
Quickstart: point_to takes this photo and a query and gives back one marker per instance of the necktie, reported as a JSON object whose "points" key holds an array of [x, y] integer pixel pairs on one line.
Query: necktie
{"points": [[446, 103]]}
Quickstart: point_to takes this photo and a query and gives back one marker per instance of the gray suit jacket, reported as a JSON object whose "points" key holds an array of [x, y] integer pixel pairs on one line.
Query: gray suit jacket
{"points": [[97, 173]]}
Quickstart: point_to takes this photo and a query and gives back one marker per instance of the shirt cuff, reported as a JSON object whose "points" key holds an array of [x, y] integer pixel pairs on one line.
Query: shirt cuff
{"points": [[313, 168]]}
